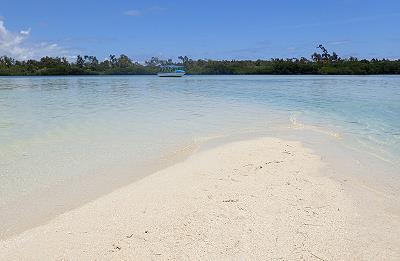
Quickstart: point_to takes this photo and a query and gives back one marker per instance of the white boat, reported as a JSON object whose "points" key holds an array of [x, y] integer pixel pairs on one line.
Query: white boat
{"points": [[171, 71]]}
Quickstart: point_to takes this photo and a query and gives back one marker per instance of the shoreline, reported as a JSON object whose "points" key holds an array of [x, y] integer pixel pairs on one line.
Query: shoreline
{"points": [[256, 197], [325, 143], [110, 75], [41, 209]]}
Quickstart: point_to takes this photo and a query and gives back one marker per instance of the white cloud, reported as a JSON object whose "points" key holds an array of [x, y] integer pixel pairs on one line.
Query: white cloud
{"points": [[132, 13], [26, 32], [15, 44]]}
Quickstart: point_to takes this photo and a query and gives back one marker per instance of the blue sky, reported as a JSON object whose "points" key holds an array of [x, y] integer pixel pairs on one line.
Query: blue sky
{"points": [[219, 29]]}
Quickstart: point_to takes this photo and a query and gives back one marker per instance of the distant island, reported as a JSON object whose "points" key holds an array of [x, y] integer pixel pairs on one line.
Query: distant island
{"points": [[321, 63]]}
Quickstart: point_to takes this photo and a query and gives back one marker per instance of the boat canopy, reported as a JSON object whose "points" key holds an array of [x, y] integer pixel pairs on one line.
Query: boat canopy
{"points": [[172, 68]]}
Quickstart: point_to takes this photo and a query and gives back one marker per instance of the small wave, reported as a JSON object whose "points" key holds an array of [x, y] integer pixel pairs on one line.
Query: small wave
{"points": [[296, 124]]}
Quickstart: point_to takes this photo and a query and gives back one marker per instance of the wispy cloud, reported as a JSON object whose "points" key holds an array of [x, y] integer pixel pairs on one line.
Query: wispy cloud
{"points": [[15, 44], [151, 10], [249, 50], [342, 22], [257, 48], [132, 12], [338, 42], [157, 9]]}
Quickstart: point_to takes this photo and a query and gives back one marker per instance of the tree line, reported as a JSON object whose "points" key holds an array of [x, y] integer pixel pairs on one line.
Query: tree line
{"points": [[320, 63]]}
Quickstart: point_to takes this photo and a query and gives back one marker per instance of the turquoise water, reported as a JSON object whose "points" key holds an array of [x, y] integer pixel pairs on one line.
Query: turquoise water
{"points": [[88, 135]]}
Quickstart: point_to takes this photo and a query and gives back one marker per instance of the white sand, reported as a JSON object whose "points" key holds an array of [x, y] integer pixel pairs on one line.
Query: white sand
{"points": [[263, 198]]}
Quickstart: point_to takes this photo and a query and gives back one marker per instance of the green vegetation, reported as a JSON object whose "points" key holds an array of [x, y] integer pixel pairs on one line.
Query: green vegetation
{"points": [[320, 63]]}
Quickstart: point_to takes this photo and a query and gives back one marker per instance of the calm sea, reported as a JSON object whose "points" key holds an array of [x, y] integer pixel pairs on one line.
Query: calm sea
{"points": [[65, 140]]}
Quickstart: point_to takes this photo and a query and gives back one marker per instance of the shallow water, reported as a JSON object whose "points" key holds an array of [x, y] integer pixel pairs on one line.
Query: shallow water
{"points": [[64, 140]]}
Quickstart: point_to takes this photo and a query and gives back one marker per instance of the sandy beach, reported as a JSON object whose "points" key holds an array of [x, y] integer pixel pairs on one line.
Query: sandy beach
{"points": [[263, 198]]}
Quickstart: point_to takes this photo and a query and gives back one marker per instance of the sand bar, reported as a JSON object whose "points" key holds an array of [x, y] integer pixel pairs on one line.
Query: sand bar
{"points": [[263, 198]]}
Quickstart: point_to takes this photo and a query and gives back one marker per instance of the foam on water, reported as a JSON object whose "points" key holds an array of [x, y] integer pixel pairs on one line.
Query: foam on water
{"points": [[67, 140]]}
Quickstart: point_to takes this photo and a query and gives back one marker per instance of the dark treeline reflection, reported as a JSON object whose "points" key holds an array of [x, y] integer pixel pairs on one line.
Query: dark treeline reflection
{"points": [[321, 62]]}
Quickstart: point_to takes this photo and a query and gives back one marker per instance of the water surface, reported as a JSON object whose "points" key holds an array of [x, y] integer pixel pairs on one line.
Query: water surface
{"points": [[67, 139]]}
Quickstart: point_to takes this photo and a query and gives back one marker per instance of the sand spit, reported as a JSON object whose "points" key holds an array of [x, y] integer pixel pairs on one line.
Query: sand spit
{"points": [[263, 198]]}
